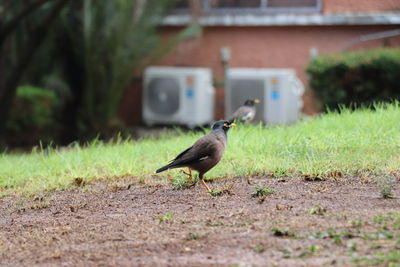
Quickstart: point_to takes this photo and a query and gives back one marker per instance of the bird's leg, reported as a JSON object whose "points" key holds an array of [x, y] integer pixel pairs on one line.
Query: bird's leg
{"points": [[190, 180], [204, 182]]}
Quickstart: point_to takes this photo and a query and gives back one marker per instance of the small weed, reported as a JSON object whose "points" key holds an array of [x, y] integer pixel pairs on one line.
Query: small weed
{"points": [[259, 249], [367, 236], [287, 252], [286, 256], [348, 234], [41, 204], [337, 237], [20, 205], [195, 236], [396, 214], [378, 219], [79, 182], [310, 251], [181, 183], [381, 219], [317, 210], [169, 216], [215, 223], [352, 246], [357, 223], [215, 192], [314, 249], [385, 235], [313, 177], [318, 235], [376, 245], [386, 184], [220, 192], [282, 232], [279, 172], [334, 174], [391, 258], [262, 191]]}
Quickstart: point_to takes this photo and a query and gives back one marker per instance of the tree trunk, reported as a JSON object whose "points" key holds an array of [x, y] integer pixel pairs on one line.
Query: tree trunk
{"points": [[7, 28], [11, 81]]}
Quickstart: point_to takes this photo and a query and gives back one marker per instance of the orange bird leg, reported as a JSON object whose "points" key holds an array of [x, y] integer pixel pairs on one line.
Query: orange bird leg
{"points": [[190, 181], [204, 183]]}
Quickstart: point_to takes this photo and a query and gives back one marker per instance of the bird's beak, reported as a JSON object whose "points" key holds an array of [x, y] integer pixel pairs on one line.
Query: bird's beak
{"points": [[257, 101], [232, 125]]}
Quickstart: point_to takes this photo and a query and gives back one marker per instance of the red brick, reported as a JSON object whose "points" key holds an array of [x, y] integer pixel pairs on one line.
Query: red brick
{"points": [[357, 6]]}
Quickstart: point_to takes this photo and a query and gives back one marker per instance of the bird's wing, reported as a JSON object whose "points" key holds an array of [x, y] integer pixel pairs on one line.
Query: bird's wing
{"points": [[247, 116], [243, 113], [182, 153], [200, 150]]}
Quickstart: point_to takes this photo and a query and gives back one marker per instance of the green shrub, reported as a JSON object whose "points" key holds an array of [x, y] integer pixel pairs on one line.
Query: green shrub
{"points": [[33, 109], [356, 78]]}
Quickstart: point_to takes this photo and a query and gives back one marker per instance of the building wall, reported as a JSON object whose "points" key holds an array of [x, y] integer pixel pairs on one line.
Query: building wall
{"points": [[267, 47], [346, 6], [256, 47]]}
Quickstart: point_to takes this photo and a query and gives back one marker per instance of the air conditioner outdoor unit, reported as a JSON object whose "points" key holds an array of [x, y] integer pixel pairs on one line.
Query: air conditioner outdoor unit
{"points": [[178, 95], [279, 90]]}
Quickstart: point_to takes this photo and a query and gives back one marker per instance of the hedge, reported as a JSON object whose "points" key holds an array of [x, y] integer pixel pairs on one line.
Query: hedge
{"points": [[33, 109], [355, 79]]}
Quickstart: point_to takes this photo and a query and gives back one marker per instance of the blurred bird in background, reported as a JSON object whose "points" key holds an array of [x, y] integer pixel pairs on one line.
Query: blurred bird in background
{"points": [[245, 113]]}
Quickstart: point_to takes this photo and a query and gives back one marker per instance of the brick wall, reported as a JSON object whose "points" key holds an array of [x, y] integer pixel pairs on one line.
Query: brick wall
{"points": [[356, 6]]}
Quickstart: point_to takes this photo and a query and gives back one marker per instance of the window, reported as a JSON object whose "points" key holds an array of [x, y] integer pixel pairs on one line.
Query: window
{"points": [[234, 3], [182, 4], [181, 7], [247, 6], [292, 3], [261, 6]]}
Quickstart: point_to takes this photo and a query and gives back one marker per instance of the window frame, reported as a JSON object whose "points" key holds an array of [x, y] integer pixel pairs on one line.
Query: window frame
{"points": [[181, 10], [263, 9]]}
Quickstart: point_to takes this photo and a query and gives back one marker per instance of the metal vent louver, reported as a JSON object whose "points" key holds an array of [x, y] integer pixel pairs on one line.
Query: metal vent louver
{"points": [[163, 95], [177, 96], [244, 89], [279, 90]]}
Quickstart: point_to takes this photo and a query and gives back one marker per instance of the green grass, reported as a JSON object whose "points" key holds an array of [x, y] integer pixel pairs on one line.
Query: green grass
{"points": [[169, 216], [350, 143], [262, 191], [375, 241], [390, 258]]}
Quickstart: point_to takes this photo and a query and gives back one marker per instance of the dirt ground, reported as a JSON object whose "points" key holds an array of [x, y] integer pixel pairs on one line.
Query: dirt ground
{"points": [[301, 224]]}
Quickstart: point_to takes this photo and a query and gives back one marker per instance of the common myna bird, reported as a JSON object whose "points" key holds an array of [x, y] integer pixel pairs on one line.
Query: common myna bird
{"points": [[204, 154], [245, 113]]}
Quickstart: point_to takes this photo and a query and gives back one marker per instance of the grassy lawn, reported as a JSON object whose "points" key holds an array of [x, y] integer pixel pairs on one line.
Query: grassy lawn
{"points": [[363, 142]]}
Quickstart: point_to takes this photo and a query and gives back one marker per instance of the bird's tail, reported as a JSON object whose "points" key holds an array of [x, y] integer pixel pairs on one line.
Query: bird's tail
{"points": [[166, 167]]}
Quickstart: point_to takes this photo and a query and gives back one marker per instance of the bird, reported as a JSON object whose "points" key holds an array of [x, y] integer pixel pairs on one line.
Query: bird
{"points": [[204, 154], [245, 113]]}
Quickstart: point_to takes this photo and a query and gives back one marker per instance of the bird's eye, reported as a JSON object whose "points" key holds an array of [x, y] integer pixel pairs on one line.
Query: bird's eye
{"points": [[226, 125]]}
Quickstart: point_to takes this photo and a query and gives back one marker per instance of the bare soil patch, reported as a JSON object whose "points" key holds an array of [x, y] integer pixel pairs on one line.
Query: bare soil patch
{"points": [[300, 224]]}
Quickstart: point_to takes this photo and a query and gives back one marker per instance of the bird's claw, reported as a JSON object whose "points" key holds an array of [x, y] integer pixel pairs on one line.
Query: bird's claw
{"points": [[187, 173], [190, 184]]}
